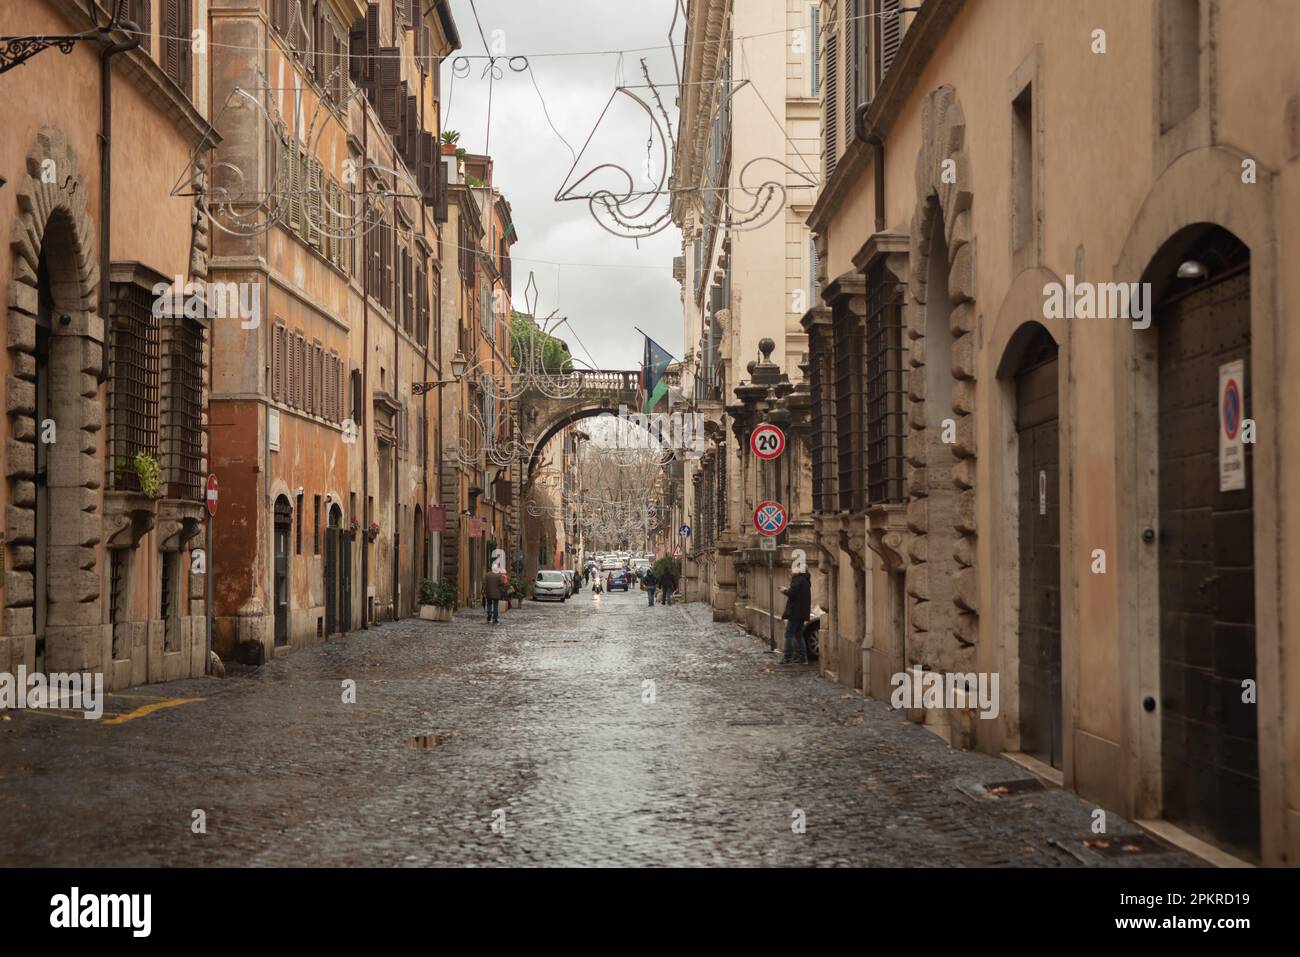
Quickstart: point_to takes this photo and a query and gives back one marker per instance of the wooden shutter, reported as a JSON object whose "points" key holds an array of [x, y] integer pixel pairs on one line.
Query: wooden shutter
{"points": [[855, 37], [816, 51], [170, 29], [891, 34], [308, 378], [830, 83], [391, 96], [315, 204], [318, 380], [277, 363], [440, 212]]}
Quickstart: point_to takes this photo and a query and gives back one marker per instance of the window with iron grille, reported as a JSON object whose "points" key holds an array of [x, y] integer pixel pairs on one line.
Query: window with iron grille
{"points": [[132, 382], [886, 387], [850, 424], [721, 489], [182, 416], [821, 444]]}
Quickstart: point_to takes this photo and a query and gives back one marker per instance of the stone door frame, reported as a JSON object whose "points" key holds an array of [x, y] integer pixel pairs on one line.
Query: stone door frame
{"points": [[52, 221]]}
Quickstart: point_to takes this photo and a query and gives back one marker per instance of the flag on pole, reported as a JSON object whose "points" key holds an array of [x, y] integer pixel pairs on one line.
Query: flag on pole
{"points": [[653, 369]]}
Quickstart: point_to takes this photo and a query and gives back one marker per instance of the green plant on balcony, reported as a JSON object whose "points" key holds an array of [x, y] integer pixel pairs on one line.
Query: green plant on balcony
{"points": [[149, 474]]}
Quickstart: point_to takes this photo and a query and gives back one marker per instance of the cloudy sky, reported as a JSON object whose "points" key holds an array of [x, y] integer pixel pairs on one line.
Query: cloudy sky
{"points": [[605, 285]]}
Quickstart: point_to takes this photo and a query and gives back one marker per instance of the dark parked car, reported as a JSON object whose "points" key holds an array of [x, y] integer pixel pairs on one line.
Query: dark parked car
{"points": [[618, 580]]}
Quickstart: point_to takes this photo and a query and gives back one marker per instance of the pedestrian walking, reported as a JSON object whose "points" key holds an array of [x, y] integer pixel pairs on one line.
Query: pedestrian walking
{"points": [[494, 589], [650, 583], [668, 583], [798, 605]]}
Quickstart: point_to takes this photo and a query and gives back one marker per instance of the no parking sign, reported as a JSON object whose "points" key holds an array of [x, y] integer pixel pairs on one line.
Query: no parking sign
{"points": [[1232, 411]]}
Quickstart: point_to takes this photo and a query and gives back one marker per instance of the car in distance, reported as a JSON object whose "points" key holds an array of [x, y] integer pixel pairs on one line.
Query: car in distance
{"points": [[618, 580], [550, 584]]}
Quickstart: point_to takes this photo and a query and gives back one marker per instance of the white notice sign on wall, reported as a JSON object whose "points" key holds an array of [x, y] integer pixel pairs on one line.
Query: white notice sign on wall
{"points": [[1232, 402]]}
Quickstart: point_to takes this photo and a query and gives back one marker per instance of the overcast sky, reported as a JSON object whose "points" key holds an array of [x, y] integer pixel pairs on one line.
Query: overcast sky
{"points": [[607, 285]]}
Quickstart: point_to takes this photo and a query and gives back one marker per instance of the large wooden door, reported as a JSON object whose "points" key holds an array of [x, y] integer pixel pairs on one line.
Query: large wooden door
{"points": [[1210, 754], [1038, 434]]}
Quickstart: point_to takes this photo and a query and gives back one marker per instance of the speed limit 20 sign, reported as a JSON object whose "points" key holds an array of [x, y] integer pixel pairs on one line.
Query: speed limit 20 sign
{"points": [[767, 441]]}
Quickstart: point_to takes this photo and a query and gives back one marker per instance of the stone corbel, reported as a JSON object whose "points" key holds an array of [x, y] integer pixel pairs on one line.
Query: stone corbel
{"points": [[178, 522], [888, 535], [853, 539], [128, 517]]}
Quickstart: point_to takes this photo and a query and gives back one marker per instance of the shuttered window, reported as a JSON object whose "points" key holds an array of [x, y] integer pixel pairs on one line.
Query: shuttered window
{"points": [[816, 51], [889, 36], [855, 60], [830, 82], [277, 362], [174, 42], [138, 12]]}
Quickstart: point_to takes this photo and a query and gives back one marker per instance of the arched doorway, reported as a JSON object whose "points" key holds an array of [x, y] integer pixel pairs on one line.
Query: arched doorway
{"points": [[283, 529], [335, 552], [1205, 540], [1038, 444], [54, 504]]}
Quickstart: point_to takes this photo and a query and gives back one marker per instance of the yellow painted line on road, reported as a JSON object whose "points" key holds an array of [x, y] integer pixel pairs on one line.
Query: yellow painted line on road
{"points": [[143, 710], [74, 714]]}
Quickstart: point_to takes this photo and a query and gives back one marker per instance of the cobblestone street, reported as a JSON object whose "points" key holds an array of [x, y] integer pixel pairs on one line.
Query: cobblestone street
{"points": [[541, 717]]}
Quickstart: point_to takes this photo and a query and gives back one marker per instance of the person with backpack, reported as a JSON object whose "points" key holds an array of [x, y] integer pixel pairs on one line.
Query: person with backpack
{"points": [[649, 582], [798, 606]]}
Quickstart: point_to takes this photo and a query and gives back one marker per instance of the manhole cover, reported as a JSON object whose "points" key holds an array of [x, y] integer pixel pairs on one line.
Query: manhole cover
{"points": [[1003, 789], [424, 742], [1122, 845]]}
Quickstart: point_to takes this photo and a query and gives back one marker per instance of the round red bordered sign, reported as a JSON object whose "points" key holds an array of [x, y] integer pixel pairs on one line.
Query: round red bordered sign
{"points": [[770, 518], [1231, 409], [767, 441], [212, 495]]}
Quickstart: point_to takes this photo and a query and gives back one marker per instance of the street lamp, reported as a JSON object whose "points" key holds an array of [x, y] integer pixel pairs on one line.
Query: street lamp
{"points": [[458, 364]]}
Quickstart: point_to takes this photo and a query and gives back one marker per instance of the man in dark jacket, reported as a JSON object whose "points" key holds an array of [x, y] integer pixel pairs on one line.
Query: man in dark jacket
{"points": [[669, 584], [494, 590], [798, 605], [650, 583]]}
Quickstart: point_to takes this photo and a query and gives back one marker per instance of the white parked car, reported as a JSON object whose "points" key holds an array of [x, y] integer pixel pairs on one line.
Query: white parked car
{"points": [[550, 584]]}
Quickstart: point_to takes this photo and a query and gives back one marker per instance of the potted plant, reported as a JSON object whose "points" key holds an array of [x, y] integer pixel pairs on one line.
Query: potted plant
{"points": [[517, 591], [149, 474], [373, 531], [449, 140], [436, 600]]}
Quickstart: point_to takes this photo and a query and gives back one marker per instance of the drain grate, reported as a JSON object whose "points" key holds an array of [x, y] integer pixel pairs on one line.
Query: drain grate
{"points": [[1002, 789], [424, 742], [1122, 845]]}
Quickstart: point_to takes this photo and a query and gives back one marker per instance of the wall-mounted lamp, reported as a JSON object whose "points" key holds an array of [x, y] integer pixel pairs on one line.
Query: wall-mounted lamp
{"points": [[1192, 269]]}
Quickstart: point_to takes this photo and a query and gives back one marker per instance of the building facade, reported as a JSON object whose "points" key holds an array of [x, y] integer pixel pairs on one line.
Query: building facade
{"points": [[749, 118], [479, 483], [323, 452], [1039, 310], [107, 360]]}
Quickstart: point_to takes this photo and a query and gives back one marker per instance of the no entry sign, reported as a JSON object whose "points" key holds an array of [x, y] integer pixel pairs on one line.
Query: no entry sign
{"points": [[770, 518], [212, 495], [767, 441]]}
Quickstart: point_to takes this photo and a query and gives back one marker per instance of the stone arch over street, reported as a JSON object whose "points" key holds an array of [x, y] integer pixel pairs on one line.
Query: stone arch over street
{"points": [[55, 339]]}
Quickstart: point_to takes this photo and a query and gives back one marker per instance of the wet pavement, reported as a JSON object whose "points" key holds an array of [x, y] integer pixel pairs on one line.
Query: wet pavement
{"points": [[569, 734]]}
